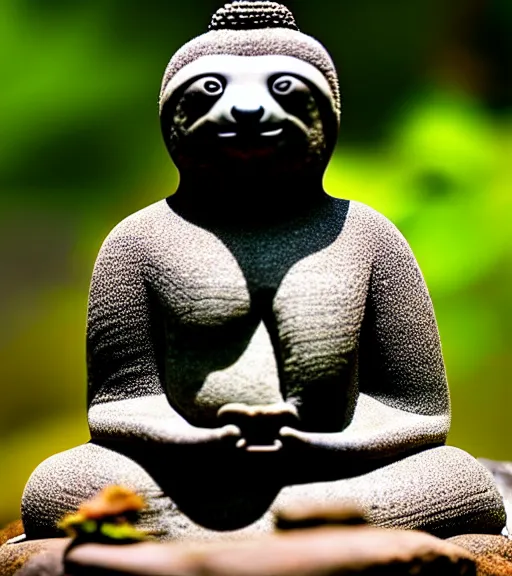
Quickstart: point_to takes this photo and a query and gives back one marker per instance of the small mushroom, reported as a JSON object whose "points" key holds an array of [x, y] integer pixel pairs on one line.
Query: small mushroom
{"points": [[107, 518]]}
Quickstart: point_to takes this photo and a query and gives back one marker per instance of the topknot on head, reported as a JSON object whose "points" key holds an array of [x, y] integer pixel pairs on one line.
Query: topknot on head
{"points": [[252, 15]]}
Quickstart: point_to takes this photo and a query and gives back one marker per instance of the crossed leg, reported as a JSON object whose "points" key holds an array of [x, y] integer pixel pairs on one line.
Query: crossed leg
{"points": [[442, 490]]}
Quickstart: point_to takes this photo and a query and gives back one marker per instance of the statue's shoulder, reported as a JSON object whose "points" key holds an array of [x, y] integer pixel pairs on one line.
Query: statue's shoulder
{"points": [[387, 245], [141, 225], [137, 232], [363, 212], [374, 225]]}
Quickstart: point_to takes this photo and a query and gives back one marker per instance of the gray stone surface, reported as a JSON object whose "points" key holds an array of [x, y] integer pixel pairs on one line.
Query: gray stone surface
{"points": [[253, 341]]}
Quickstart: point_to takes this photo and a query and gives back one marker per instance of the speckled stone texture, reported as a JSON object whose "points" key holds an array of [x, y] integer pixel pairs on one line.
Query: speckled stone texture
{"points": [[493, 553], [253, 15], [253, 341], [354, 325]]}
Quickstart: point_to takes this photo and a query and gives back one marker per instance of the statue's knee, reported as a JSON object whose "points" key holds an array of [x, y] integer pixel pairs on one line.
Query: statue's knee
{"points": [[62, 482], [46, 497], [467, 487], [465, 469]]}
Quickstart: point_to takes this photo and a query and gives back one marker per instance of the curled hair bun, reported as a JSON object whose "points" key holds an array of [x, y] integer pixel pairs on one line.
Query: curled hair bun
{"points": [[252, 15]]}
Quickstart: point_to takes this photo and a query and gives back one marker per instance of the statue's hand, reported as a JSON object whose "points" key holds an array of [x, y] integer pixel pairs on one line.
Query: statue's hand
{"points": [[188, 435], [259, 424], [298, 440], [192, 444]]}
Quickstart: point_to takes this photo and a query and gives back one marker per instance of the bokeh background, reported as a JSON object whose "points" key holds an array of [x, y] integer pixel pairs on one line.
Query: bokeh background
{"points": [[426, 139]]}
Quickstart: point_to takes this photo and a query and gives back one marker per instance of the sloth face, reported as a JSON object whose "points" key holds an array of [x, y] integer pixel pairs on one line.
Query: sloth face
{"points": [[257, 109]]}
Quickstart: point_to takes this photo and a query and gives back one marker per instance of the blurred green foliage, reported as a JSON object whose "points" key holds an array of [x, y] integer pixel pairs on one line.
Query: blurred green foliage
{"points": [[426, 139]]}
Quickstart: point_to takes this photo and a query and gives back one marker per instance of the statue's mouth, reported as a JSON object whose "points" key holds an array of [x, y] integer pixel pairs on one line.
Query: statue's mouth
{"points": [[249, 134], [251, 142], [245, 141]]}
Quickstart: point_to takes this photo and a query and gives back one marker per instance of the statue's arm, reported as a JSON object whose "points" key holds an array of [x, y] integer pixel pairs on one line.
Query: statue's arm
{"points": [[403, 403], [401, 364], [126, 398]]}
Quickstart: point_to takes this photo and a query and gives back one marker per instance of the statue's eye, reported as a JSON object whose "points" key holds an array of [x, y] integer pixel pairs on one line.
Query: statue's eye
{"points": [[212, 86], [206, 86], [284, 85]]}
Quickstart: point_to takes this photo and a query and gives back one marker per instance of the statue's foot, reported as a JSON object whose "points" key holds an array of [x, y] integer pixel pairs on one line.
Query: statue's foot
{"points": [[444, 491]]}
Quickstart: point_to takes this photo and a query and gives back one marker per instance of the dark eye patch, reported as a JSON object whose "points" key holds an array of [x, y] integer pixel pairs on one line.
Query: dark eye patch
{"points": [[308, 106], [298, 103], [194, 106], [190, 105]]}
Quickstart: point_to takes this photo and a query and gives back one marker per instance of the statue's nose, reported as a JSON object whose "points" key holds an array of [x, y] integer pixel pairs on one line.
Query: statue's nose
{"points": [[247, 115]]}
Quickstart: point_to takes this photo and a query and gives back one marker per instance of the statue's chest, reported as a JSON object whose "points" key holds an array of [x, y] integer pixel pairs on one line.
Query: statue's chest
{"points": [[308, 290], [258, 319]]}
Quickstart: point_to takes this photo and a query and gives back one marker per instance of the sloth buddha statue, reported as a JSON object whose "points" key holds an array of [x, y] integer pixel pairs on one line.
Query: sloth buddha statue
{"points": [[251, 340]]}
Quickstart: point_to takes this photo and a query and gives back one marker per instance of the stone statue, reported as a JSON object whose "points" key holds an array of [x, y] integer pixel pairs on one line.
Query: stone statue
{"points": [[253, 341]]}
